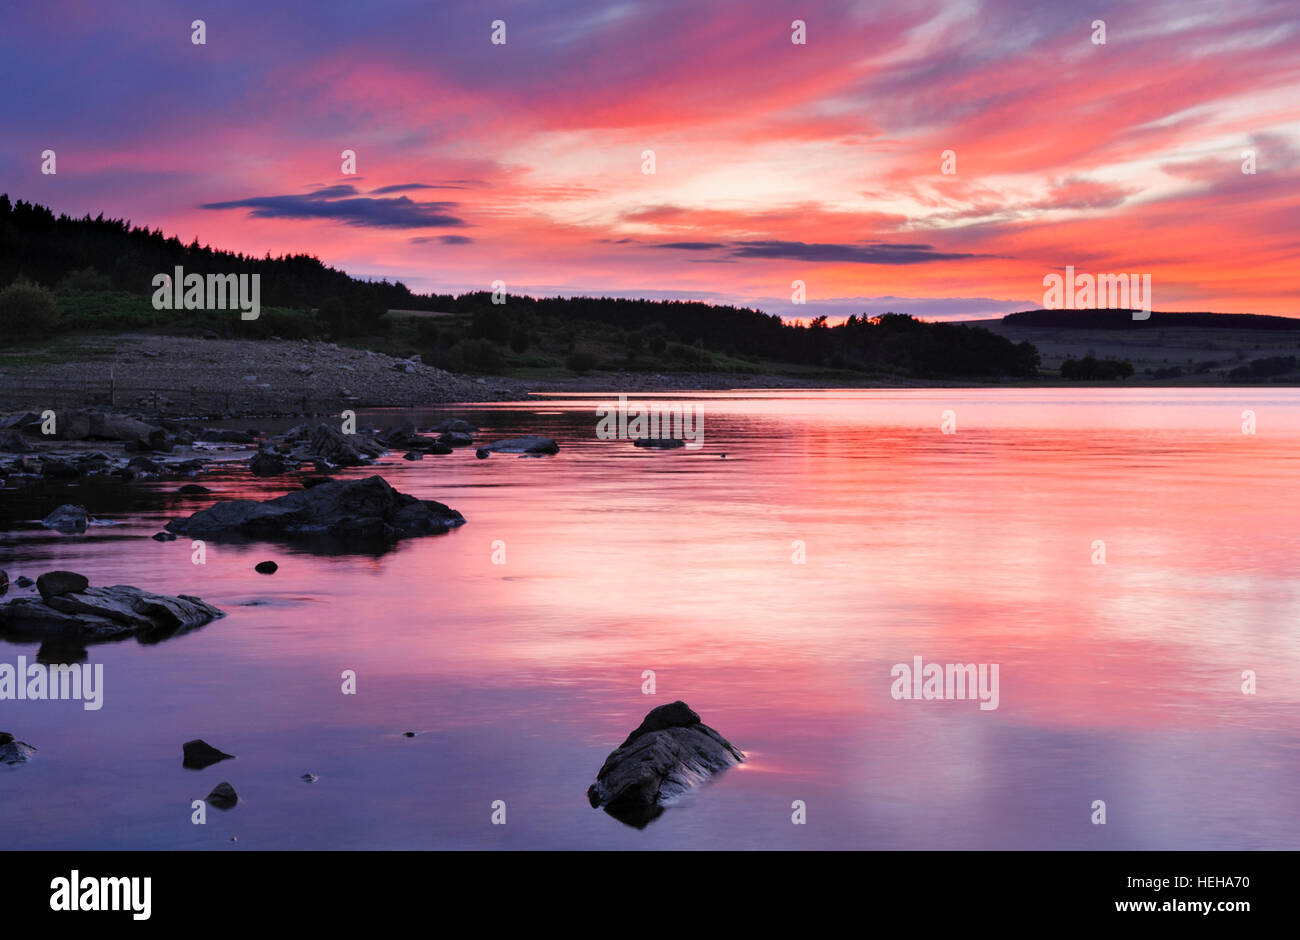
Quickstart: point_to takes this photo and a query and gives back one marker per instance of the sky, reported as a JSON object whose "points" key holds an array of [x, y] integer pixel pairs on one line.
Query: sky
{"points": [[774, 161]]}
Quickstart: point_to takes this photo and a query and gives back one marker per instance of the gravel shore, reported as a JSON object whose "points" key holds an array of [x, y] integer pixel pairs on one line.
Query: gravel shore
{"points": [[174, 375]]}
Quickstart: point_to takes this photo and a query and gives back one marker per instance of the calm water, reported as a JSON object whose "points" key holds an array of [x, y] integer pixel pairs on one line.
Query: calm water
{"points": [[1118, 682]]}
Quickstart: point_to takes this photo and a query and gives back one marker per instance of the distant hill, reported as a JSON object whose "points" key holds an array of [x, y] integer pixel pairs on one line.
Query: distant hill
{"points": [[1123, 320]]}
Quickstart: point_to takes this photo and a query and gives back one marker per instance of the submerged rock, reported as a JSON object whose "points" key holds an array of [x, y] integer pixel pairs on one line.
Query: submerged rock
{"points": [[105, 612], [661, 443], [193, 489], [266, 567], [529, 444], [67, 518], [199, 754], [670, 752], [454, 424], [347, 510], [223, 796], [456, 438], [13, 751], [4, 583]]}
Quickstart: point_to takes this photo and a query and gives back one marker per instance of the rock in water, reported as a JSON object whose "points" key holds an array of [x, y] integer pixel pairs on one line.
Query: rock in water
{"points": [[266, 567], [367, 510], [4, 583], [530, 444], [223, 796], [659, 443], [199, 754], [54, 583], [263, 464], [342, 450], [104, 612], [193, 489], [668, 754], [67, 518], [14, 752]]}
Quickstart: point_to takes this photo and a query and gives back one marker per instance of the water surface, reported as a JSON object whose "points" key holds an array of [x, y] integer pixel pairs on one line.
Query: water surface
{"points": [[1118, 682]]}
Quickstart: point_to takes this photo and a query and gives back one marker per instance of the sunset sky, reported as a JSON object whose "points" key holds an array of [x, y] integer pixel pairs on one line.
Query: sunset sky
{"points": [[773, 161]]}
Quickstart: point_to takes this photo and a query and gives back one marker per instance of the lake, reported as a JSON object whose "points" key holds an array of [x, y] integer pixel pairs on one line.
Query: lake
{"points": [[774, 590]]}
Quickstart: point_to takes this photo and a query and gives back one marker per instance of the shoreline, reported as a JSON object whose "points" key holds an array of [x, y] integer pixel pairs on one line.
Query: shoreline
{"points": [[169, 377]]}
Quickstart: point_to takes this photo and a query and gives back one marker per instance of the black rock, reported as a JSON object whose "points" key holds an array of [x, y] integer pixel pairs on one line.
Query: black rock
{"points": [[163, 537], [661, 443], [670, 752], [199, 754], [342, 450], [67, 518], [309, 481], [4, 583], [193, 489], [428, 445], [412, 455], [57, 468], [14, 443], [482, 453], [528, 444], [101, 613], [223, 796], [54, 583], [266, 567], [456, 438], [23, 581], [144, 465], [454, 424], [365, 510], [13, 751], [263, 464]]}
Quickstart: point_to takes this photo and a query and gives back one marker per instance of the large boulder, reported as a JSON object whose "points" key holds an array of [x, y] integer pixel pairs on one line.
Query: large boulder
{"points": [[111, 427], [365, 510], [670, 752], [104, 612]]}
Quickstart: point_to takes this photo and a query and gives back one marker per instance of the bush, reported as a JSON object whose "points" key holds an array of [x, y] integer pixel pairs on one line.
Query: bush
{"points": [[520, 342], [581, 361], [1090, 368], [86, 279], [480, 354], [27, 309], [490, 323]]}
